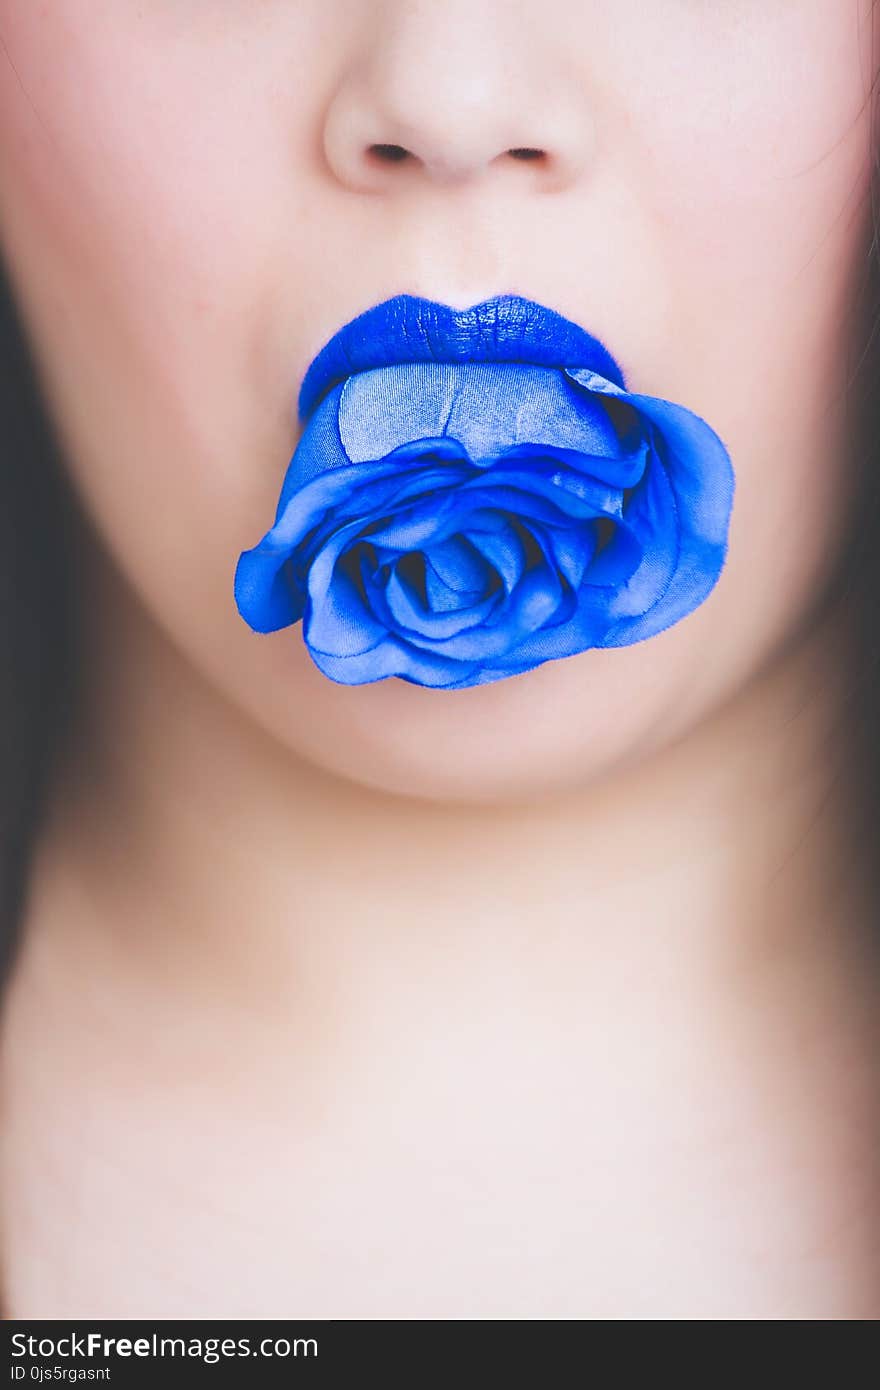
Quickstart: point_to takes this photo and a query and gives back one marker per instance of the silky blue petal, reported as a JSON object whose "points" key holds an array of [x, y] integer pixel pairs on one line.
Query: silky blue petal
{"points": [[319, 450], [458, 565], [456, 523], [477, 404], [695, 458], [566, 596], [340, 622], [264, 594], [584, 629], [337, 620], [542, 475], [521, 496], [417, 622], [572, 550], [443, 598], [534, 599], [427, 481], [617, 561], [329, 493], [646, 521], [697, 465], [414, 526], [395, 657], [504, 550], [615, 472]]}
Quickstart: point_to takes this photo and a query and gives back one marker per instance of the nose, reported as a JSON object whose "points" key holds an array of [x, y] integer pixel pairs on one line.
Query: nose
{"points": [[454, 91]]}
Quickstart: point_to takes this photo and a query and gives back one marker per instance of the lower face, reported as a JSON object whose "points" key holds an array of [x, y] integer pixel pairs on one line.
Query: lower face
{"points": [[181, 249]]}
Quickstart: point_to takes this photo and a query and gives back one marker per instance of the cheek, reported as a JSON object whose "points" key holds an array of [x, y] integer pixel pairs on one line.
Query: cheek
{"points": [[147, 280], [757, 195]]}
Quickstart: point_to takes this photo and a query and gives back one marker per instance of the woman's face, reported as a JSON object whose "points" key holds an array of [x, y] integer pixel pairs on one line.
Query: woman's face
{"points": [[189, 208]]}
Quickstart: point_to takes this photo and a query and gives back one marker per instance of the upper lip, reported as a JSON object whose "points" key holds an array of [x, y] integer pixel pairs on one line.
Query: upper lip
{"points": [[406, 328]]}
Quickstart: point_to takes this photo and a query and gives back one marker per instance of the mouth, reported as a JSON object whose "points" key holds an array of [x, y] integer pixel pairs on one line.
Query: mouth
{"points": [[406, 328]]}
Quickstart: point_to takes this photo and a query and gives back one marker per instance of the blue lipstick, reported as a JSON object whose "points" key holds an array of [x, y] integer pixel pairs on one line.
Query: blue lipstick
{"points": [[407, 328]]}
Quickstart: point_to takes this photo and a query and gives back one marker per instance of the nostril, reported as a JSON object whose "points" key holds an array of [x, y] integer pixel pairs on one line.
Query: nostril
{"points": [[395, 154], [391, 154]]}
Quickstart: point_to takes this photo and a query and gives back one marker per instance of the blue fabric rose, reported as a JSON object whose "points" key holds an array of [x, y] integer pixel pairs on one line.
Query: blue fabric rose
{"points": [[453, 523]]}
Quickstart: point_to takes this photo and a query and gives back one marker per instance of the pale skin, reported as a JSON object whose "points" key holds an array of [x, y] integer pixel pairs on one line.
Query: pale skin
{"points": [[547, 998]]}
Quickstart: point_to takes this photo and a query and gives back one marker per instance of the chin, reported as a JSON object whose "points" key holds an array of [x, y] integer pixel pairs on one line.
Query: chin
{"points": [[545, 733]]}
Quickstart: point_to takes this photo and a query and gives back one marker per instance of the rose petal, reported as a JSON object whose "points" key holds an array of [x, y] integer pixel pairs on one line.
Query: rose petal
{"points": [[456, 523], [395, 657], [482, 407], [419, 623]]}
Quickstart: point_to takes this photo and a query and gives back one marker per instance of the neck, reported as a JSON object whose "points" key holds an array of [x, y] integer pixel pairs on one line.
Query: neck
{"points": [[649, 998], [178, 811]]}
